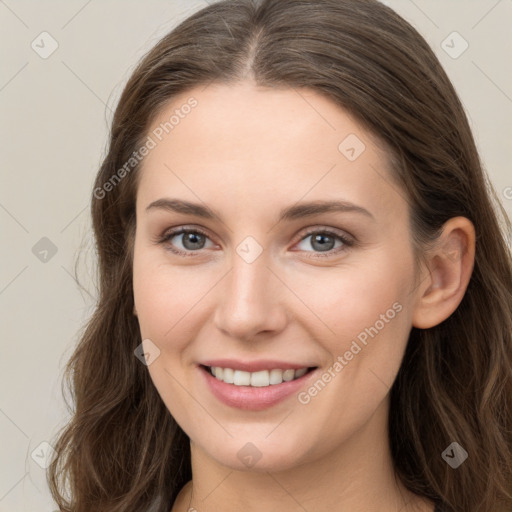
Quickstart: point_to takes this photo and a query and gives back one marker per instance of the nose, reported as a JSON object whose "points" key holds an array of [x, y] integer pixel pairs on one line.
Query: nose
{"points": [[251, 300]]}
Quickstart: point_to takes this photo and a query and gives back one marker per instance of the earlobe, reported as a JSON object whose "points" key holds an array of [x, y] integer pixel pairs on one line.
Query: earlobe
{"points": [[450, 265]]}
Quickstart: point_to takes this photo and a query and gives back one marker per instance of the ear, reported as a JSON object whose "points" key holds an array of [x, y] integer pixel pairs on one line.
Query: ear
{"points": [[444, 282]]}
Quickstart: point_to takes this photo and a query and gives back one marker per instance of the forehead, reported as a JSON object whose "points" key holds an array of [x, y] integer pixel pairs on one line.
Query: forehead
{"points": [[262, 146], [243, 119]]}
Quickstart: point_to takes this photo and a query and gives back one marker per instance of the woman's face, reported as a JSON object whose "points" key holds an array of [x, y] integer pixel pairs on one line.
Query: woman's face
{"points": [[271, 280]]}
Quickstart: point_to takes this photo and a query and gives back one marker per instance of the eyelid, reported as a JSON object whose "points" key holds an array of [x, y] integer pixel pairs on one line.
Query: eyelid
{"points": [[178, 230], [324, 229]]}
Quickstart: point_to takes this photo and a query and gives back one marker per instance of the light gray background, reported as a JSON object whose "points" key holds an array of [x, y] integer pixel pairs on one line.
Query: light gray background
{"points": [[54, 117]]}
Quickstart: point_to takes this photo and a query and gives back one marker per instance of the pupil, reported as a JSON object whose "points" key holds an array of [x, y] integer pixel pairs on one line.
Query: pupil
{"points": [[193, 238], [319, 238]]}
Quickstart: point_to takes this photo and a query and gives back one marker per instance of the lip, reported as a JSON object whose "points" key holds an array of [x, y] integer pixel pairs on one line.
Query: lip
{"points": [[253, 398], [256, 366]]}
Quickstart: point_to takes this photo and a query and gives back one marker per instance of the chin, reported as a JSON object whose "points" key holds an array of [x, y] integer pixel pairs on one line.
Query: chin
{"points": [[259, 456]]}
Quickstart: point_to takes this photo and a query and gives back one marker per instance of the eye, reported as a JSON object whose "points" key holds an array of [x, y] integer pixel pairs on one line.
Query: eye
{"points": [[324, 241], [193, 240]]}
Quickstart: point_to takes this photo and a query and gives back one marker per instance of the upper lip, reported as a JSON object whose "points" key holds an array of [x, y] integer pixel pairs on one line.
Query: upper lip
{"points": [[255, 366]]}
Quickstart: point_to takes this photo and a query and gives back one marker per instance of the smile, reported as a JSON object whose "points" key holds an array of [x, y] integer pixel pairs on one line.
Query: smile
{"points": [[254, 390]]}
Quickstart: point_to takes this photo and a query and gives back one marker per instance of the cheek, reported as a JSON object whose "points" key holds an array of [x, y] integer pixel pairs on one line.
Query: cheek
{"points": [[166, 298], [365, 313], [153, 301], [352, 297]]}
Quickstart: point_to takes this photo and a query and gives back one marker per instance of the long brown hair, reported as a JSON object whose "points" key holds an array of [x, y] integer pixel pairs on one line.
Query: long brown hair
{"points": [[122, 450]]}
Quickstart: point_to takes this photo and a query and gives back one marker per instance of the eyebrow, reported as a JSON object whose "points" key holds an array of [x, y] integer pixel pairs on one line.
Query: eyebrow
{"points": [[296, 211]]}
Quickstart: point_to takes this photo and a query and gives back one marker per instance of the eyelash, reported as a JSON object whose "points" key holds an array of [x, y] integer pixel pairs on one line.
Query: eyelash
{"points": [[347, 243]]}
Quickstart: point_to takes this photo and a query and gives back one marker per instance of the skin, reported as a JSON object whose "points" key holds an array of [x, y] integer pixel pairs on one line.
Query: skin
{"points": [[247, 152]]}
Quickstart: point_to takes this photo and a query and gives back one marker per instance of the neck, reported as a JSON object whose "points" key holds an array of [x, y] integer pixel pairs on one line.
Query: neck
{"points": [[357, 476]]}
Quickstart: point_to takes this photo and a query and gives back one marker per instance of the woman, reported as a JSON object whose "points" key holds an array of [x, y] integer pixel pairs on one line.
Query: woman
{"points": [[305, 293]]}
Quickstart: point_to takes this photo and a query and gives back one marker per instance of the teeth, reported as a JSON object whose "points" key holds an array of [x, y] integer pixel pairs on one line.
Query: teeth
{"points": [[256, 379], [228, 376], [260, 379], [288, 375], [276, 376], [300, 373], [240, 378]]}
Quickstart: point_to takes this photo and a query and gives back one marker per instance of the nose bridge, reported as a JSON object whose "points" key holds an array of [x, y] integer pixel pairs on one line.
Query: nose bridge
{"points": [[249, 300], [250, 278]]}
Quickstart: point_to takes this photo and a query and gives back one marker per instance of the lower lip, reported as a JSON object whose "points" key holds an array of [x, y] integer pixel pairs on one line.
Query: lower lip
{"points": [[252, 398]]}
